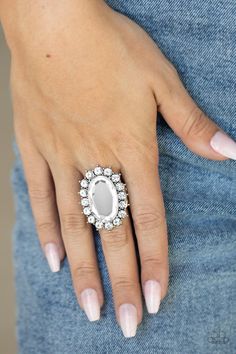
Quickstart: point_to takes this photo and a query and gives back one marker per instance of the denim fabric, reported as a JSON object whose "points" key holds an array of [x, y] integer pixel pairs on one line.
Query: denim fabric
{"points": [[199, 314]]}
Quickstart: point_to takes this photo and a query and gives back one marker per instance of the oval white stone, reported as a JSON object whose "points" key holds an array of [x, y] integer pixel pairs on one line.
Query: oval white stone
{"points": [[103, 198]]}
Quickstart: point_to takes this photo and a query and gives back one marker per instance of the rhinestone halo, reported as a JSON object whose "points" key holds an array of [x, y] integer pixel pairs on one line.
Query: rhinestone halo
{"points": [[118, 197]]}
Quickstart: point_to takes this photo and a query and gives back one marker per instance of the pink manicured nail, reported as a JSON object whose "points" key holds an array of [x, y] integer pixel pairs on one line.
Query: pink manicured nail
{"points": [[90, 304], [224, 145], [128, 319], [52, 255], [152, 294]]}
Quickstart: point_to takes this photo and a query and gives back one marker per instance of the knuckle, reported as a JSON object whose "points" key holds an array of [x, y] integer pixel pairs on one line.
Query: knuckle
{"points": [[168, 76], [152, 262], [148, 220], [46, 226], [39, 194], [122, 284], [116, 238], [72, 223], [170, 69], [125, 147], [196, 124], [147, 152], [83, 270]]}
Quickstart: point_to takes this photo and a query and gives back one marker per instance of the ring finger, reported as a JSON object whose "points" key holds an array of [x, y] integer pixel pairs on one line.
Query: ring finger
{"points": [[148, 214]]}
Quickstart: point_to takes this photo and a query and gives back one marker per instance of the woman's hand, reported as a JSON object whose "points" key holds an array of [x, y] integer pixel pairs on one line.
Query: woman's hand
{"points": [[87, 83]]}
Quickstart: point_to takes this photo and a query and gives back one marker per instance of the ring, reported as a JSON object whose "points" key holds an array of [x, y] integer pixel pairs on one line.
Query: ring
{"points": [[104, 197]]}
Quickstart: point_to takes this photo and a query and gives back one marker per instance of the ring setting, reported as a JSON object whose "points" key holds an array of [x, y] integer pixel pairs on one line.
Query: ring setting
{"points": [[104, 198]]}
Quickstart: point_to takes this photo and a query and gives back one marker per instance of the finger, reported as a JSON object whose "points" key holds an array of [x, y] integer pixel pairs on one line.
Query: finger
{"points": [[79, 243], [190, 123], [43, 202], [119, 251], [148, 215]]}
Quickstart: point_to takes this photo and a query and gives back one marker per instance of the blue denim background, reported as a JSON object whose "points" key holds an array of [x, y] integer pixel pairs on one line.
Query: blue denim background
{"points": [[199, 314]]}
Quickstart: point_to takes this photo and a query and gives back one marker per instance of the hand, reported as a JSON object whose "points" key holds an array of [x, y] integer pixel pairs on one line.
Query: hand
{"points": [[86, 91]]}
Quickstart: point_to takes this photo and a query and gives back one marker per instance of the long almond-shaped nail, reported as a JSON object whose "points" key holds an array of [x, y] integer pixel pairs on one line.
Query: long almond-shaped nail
{"points": [[128, 319], [90, 304], [52, 255], [224, 145], [152, 294]]}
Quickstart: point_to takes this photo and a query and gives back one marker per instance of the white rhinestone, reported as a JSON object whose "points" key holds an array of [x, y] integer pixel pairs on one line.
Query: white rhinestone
{"points": [[116, 221], [89, 174], [85, 202], [120, 186], [83, 192], [91, 219], [122, 204], [99, 225], [107, 171], [121, 196], [87, 211], [98, 171], [122, 214], [84, 183], [115, 178], [108, 226]]}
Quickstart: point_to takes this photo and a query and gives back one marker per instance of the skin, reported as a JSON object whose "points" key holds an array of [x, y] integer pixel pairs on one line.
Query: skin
{"points": [[87, 84]]}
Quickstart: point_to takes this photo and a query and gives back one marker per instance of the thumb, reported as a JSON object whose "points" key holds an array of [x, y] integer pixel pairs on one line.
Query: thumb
{"points": [[198, 132]]}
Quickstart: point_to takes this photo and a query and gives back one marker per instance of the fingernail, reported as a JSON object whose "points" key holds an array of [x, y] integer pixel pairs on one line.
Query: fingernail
{"points": [[90, 304], [152, 294], [224, 145], [52, 255], [128, 319]]}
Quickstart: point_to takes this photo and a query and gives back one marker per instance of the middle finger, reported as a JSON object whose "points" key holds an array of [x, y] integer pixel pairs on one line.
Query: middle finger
{"points": [[119, 251]]}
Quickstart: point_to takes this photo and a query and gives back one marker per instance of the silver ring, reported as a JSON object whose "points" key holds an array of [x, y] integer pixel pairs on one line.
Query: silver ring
{"points": [[104, 197]]}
